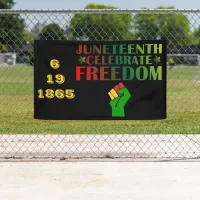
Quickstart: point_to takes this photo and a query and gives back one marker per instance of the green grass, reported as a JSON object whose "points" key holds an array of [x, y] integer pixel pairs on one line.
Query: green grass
{"points": [[16, 108]]}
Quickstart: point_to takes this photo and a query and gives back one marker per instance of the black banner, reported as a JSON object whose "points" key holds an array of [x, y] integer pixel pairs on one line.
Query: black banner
{"points": [[78, 80]]}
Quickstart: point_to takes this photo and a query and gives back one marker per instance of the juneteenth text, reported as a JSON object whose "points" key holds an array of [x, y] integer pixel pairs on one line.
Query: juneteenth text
{"points": [[119, 62]]}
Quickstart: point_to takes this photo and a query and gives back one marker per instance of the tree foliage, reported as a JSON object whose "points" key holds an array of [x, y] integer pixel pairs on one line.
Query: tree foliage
{"points": [[52, 32], [3, 48], [101, 26], [6, 4], [197, 36], [29, 37], [11, 26], [175, 28]]}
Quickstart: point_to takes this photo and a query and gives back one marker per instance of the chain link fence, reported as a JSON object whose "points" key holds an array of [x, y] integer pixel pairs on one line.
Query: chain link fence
{"points": [[23, 137]]}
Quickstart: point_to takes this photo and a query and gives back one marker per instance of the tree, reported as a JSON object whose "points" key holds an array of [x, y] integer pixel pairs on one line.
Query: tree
{"points": [[146, 26], [52, 32], [11, 26], [196, 35], [29, 37], [175, 28], [101, 26], [3, 48], [28, 47], [6, 4]]}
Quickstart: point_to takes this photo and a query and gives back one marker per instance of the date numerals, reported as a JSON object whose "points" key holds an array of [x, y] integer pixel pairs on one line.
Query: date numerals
{"points": [[59, 78], [55, 64], [59, 94]]}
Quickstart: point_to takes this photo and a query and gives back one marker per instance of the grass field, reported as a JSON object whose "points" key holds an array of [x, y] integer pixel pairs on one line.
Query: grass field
{"points": [[16, 108]]}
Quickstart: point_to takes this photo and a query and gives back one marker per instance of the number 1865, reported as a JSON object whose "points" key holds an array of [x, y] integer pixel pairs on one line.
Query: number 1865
{"points": [[59, 94]]}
